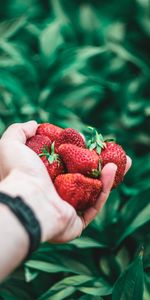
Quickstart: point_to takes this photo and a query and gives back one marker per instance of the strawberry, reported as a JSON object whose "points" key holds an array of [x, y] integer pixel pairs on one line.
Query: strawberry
{"points": [[52, 162], [38, 142], [109, 152], [70, 136], [79, 160], [114, 153], [50, 130], [78, 190]]}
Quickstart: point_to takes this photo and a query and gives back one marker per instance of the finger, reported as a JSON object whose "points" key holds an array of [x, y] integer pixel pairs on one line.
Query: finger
{"points": [[74, 231], [77, 228], [128, 164], [107, 178], [72, 225], [20, 131]]}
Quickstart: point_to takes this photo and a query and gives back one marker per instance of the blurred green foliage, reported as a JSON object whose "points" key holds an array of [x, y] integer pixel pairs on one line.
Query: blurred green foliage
{"points": [[78, 63]]}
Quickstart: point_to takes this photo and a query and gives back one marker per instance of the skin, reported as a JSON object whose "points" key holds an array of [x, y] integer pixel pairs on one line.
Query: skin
{"points": [[23, 173]]}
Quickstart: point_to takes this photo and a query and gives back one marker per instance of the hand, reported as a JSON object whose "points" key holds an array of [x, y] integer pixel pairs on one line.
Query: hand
{"points": [[23, 173]]}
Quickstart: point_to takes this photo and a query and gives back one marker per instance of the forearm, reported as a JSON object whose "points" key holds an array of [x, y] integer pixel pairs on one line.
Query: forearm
{"points": [[14, 241]]}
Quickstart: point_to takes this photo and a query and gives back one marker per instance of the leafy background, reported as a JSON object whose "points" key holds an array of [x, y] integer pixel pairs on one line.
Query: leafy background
{"points": [[78, 63]]}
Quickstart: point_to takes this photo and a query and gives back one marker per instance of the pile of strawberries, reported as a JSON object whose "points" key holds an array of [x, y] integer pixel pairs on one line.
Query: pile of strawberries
{"points": [[74, 165]]}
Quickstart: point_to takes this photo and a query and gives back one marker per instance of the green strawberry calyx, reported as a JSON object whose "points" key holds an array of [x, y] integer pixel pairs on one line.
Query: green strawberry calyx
{"points": [[95, 173], [96, 141], [51, 157]]}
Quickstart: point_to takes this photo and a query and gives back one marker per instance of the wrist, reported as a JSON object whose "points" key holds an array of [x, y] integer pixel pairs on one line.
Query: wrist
{"points": [[14, 231], [28, 188]]}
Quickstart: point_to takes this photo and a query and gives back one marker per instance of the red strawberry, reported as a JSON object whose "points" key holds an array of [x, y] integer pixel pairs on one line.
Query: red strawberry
{"points": [[115, 154], [109, 152], [70, 136], [38, 142], [50, 130], [79, 160], [79, 191], [52, 162]]}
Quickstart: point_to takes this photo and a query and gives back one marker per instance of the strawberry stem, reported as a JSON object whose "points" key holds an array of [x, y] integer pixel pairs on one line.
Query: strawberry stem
{"points": [[51, 157], [96, 141], [45, 152]]}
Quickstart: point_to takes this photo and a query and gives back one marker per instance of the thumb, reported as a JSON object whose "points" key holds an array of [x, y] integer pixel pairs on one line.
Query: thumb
{"points": [[20, 131]]}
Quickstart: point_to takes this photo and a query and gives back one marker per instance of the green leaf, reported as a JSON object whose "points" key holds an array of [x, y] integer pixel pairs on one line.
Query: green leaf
{"points": [[126, 54], [10, 27], [147, 262], [62, 285], [50, 40], [58, 295], [130, 284], [142, 218], [7, 295], [73, 281], [96, 291], [147, 286], [137, 214], [16, 58], [101, 287], [28, 109], [45, 266], [67, 264], [30, 274], [87, 242]]}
